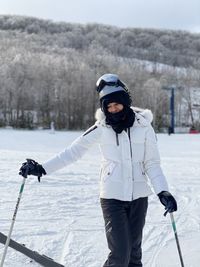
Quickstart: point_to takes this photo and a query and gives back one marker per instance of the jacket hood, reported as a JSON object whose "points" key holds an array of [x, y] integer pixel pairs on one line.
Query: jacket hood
{"points": [[143, 117]]}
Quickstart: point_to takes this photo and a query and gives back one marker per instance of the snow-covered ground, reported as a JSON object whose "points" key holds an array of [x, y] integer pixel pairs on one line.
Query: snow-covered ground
{"points": [[61, 216]]}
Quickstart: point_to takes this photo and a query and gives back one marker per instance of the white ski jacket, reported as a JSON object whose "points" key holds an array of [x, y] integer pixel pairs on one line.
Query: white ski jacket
{"points": [[129, 160]]}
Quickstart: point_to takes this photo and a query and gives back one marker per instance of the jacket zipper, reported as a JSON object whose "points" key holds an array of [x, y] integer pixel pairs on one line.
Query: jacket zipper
{"points": [[117, 139], [129, 136]]}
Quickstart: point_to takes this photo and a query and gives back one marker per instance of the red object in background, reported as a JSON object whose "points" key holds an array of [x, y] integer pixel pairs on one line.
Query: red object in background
{"points": [[193, 131]]}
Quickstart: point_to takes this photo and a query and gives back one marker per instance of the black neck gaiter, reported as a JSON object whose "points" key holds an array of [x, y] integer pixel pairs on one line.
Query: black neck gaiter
{"points": [[121, 120]]}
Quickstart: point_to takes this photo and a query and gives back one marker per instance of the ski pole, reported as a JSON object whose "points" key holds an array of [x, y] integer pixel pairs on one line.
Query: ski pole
{"points": [[176, 237], [13, 219]]}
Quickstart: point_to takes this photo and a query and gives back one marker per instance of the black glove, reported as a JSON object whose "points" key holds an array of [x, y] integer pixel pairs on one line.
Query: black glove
{"points": [[168, 201], [31, 167]]}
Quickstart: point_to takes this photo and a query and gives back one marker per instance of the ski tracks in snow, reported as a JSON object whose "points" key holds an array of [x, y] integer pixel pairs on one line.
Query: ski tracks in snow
{"points": [[66, 247], [61, 217], [83, 248]]}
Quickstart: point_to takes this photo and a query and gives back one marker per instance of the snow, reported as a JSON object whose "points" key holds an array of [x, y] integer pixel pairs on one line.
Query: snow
{"points": [[61, 216]]}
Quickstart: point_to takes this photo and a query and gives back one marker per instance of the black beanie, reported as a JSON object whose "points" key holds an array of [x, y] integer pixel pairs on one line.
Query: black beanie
{"points": [[120, 97]]}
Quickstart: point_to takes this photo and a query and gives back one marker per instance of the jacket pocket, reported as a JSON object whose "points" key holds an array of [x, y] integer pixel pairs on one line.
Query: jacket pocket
{"points": [[139, 173], [107, 170], [142, 168]]}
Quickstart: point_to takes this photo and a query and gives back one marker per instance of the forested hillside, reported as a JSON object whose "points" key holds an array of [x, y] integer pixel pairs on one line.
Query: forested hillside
{"points": [[48, 70]]}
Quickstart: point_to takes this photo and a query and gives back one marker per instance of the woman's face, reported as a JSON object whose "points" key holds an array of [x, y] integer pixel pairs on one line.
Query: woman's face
{"points": [[114, 107]]}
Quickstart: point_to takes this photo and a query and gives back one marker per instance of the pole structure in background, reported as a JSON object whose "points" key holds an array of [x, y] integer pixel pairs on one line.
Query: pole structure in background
{"points": [[172, 111], [171, 88]]}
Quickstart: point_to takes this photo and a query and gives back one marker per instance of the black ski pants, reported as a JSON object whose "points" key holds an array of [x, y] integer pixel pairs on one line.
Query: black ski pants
{"points": [[124, 222]]}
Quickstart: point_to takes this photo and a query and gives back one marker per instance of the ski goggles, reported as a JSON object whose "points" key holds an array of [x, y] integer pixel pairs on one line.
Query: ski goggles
{"points": [[109, 89], [109, 83]]}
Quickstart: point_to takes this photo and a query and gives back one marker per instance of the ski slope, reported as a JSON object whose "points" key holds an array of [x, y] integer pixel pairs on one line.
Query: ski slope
{"points": [[61, 216]]}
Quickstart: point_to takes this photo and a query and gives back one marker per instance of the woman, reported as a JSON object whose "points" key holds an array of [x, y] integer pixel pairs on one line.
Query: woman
{"points": [[130, 159]]}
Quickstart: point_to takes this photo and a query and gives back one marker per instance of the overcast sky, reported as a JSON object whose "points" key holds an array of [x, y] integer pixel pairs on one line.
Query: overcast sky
{"points": [[163, 14]]}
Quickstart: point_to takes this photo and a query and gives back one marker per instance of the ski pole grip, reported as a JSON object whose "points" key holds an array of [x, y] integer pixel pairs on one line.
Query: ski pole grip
{"points": [[27, 168]]}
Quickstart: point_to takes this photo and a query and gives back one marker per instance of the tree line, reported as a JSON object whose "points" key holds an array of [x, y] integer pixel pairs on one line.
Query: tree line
{"points": [[48, 70]]}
